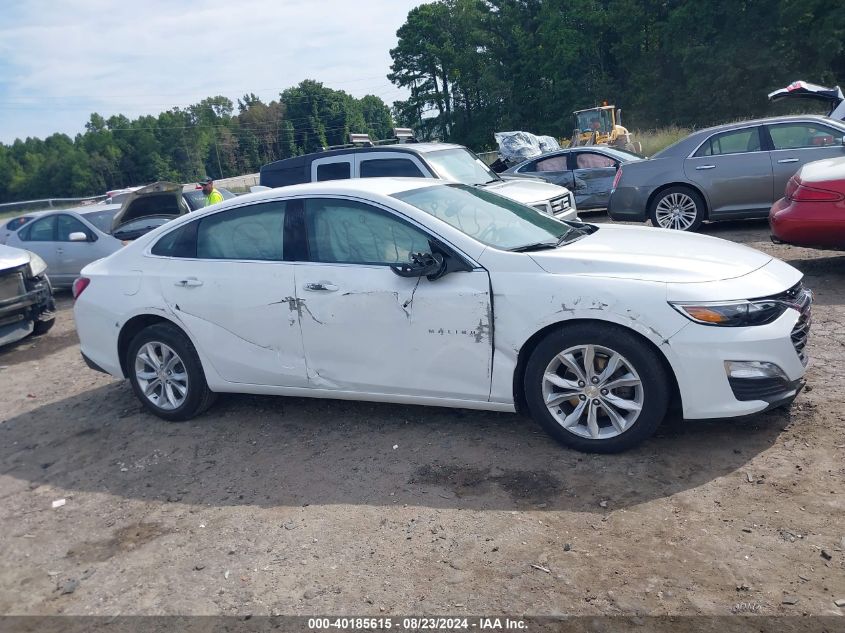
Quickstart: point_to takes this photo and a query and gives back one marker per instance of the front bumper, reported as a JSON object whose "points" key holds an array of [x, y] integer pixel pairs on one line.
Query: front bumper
{"points": [[698, 354], [18, 314]]}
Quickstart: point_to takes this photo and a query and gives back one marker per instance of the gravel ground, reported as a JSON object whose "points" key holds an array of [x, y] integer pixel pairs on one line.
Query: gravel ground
{"points": [[296, 506]]}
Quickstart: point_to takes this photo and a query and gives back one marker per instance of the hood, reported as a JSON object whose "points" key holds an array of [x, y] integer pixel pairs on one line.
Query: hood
{"points": [[159, 199], [527, 191], [13, 257], [651, 254]]}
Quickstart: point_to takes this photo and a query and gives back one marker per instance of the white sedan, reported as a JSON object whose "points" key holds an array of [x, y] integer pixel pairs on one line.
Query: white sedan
{"points": [[410, 291]]}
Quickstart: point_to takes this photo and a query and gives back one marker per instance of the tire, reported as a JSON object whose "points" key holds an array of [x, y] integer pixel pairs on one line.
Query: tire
{"points": [[154, 348], [616, 424], [42, 327], [679, 208]]}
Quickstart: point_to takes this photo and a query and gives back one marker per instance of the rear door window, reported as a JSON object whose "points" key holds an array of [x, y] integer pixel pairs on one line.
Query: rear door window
{"points": [[397, 167], [43, 230], [733, 142], [552, 163], [255, 232], [334, 171]]}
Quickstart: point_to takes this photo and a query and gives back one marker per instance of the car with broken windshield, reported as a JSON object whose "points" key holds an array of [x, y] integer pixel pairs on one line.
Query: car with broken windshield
{"points": [[423, 292]]}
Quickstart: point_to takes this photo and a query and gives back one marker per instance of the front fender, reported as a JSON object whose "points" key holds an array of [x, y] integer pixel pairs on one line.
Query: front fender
{"points": [[521, 311]]}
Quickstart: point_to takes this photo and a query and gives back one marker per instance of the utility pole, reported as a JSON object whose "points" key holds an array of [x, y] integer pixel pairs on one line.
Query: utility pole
{"points": [[217, 151]]}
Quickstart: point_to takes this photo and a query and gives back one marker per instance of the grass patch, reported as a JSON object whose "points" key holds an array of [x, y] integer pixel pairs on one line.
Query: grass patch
{"points": [[655, 140]]}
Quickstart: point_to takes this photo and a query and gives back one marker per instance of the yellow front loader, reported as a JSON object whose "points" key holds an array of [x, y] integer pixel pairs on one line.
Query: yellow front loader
{"points": [[602, 126]]}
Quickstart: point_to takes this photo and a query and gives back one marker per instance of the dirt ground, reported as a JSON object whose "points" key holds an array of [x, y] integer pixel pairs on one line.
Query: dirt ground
{"points": [[297, 506]]}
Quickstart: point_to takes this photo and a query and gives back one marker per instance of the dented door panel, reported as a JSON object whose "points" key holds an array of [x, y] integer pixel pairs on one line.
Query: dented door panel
{"points": [[252, 337], [366, 329], [592, 187]]}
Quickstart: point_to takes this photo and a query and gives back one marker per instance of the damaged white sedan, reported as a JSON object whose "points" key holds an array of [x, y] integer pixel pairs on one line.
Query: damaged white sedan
{"points": [[408, 291]]}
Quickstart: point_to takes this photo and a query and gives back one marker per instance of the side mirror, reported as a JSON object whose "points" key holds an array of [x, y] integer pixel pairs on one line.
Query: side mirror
{"points": [[78, 236], [432, 265]]}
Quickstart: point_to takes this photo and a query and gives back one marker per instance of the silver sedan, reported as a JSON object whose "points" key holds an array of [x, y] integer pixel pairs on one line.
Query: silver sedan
{"points": [[726, 172], [67, 239]]}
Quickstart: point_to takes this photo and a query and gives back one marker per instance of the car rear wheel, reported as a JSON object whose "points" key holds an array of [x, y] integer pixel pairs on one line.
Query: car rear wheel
{"points": [[596, 388], [166, 373], [678, 208]]}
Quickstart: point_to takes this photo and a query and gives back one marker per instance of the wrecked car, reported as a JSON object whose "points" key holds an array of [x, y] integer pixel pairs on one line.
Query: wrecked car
{"points": [[26, 298], [586, 171], [425, 292]]}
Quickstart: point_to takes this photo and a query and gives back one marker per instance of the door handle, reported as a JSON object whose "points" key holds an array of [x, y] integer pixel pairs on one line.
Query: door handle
{"points": [[60, 250], [323, 286], [703, 167], [190, 282], [788, 160]]}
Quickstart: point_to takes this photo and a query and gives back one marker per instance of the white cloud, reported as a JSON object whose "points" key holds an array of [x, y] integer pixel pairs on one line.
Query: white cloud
{"points": [[60, 61]]}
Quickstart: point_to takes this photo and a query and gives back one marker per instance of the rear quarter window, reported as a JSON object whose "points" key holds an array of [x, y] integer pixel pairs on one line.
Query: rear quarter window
{"points": [[179, 243]]}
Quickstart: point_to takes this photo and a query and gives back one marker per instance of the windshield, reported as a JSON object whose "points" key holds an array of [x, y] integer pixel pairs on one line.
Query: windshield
{"points": [[461, 165], [594, 120], [488, 217], [101, 219]]}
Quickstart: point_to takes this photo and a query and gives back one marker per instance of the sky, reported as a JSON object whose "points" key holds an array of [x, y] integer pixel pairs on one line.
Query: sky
{"points": [[61, 60]]}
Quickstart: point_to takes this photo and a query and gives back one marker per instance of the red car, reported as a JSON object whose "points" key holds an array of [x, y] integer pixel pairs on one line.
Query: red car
{"points": [[812, 212]]}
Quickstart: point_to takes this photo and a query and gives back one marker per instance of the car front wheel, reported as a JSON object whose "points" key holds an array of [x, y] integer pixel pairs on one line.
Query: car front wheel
{"points": [[678, 208], [166, 373], [596, 388]]}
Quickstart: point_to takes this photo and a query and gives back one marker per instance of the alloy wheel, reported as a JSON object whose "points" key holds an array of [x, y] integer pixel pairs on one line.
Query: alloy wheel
{"points": [[161, 375], [676, 211], [592, 391]]}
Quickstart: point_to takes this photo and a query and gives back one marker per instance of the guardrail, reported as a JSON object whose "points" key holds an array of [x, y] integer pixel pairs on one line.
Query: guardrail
{"points": [[21, 206]]}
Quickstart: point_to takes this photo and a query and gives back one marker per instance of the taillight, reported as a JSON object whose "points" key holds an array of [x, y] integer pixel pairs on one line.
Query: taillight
{"points": [[617, 177], [79, 284], [791, 186], [803, 193]]}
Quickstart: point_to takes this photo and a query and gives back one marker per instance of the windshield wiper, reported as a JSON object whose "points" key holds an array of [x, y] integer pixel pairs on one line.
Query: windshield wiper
{"points": [[537, 246], [571, 235]]}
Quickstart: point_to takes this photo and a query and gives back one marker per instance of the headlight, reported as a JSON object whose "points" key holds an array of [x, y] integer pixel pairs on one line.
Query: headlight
{"points": [[36, 265], [732, 313]]}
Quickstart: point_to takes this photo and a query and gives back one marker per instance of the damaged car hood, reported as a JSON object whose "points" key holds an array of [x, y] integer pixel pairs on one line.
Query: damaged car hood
{"points": [[651, 254], [12, 257], [527, 191]]}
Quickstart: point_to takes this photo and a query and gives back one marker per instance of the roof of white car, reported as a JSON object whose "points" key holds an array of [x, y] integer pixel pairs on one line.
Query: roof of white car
{"points": [[351, 187]]}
